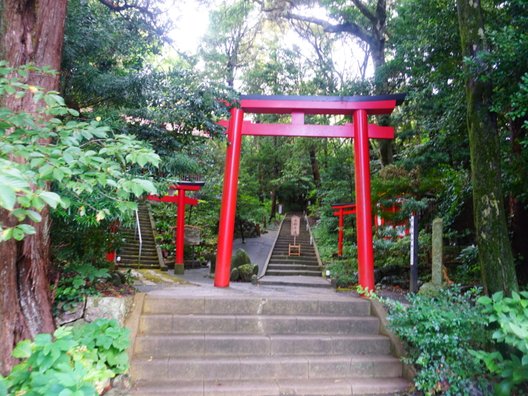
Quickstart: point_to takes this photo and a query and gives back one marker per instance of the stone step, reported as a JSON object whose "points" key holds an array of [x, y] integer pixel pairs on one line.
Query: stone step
{"points": [[270, 387], [272, 272], [293, 267], [256, 306], [284, 252], [277, 367], [303, 281], [232, 345], [293, 259], [166, 324], [134, 256]]}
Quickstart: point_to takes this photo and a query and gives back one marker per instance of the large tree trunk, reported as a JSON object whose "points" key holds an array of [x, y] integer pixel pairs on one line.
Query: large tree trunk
{"points": [[33, 33], [495, 255]]}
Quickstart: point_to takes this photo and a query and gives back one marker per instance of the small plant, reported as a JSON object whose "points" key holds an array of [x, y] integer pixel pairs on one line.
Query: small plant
{"points": [[76, 282], [508, 361], [343, 272], [439, 331], [74, 361]]}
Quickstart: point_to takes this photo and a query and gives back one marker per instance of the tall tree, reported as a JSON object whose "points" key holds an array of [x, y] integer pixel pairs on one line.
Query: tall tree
{"points": [[229, 42], [33, 33], [495, 255], [366, 21]]}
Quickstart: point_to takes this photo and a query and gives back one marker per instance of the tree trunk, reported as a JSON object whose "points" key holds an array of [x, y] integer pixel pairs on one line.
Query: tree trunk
{"points": [[495, 255], [33, 33], [316, 174]]}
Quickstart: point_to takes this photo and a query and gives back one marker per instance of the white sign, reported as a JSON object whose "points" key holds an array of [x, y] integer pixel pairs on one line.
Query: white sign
{"points": [[295, 225]]}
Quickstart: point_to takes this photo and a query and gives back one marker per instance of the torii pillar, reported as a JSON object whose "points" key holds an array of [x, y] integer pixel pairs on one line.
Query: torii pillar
{"points": [[358, 107], [180, 200]]}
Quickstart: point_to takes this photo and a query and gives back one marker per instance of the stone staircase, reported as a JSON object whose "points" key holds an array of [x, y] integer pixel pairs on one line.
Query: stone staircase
{"points": [[250, 345], [129, 251], [280, 264]]}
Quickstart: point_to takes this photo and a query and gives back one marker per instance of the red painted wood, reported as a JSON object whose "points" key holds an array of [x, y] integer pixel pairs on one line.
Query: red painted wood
{"points": [[315, 131], [172, 199], [229, 199], [180, 229], [363, 202], [340, 230], [264, 106], [345, 212]]}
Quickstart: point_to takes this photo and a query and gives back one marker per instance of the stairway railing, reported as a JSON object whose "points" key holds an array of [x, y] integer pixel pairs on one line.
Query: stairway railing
{"points": [[312, 241], [137, 234], [268, 259]]}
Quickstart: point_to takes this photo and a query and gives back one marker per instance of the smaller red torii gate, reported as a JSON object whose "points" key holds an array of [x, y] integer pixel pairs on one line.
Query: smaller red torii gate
{"points": [[180, 200], [342, 210], [357, 107]]}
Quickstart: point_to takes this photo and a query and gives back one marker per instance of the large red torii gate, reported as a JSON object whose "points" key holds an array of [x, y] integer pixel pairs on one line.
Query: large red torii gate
{"points": [[359, 107]]}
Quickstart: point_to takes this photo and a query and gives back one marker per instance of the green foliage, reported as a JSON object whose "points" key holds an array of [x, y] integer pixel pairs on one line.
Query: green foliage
{"points": [[75, 361], [507, 317], [438, 333], [246, 271], [235, 275], [89, 167], [75, 283], [240, 258], [344, 272]]}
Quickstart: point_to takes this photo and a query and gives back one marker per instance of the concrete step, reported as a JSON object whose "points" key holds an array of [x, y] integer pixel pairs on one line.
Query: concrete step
{"points": [[305, 262], [267, 387], [272, 272], [233, 345], [166, 324], [276, 367], [303, 281], [293, 267], [255, 306]]}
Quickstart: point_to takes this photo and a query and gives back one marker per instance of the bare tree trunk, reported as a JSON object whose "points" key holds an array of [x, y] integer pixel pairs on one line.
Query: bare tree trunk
{"points": [[33, 33], [495, 254]]}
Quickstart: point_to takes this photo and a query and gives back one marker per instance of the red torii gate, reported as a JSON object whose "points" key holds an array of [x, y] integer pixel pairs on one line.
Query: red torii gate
{"points": [[359, 107], [180, 200], [342, 210]]}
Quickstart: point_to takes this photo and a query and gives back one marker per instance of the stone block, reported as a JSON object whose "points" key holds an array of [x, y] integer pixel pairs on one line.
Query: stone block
{"points": [[108, 308]]}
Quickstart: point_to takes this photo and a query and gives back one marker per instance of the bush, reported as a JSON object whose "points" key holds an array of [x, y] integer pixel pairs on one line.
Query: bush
{"points": [[438, 332], [246, 271], [344, 273], [75, 361], [75, 283], [508, 317], [240, 258]]}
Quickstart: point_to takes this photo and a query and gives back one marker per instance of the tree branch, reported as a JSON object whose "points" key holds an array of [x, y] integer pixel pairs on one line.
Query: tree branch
{"points": [[347, 27], [365, 11], [117, 6]]}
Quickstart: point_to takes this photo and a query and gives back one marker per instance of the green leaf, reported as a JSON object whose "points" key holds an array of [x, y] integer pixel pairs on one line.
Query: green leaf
{"points": [[7, 197], [23, 349], [50, 198], [34, 216], [18, 234]]}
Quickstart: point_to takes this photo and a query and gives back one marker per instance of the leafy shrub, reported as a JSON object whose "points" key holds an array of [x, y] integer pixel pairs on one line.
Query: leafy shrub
{"points": [[344, 273], [246, 271], [508, 317], [240, 258], [76, 282], [75, 361], [438, 332]]}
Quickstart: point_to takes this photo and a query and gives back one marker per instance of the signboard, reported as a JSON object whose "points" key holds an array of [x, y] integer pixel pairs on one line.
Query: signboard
{"points": [[295, 226]]}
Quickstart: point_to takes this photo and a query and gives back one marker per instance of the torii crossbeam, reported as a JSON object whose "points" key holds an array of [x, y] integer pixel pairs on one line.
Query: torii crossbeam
{"points": [[358, 107]]}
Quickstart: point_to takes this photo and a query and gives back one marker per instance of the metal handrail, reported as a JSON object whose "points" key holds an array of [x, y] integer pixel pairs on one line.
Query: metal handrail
{"points": [[312, 241], [138, 233]]}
